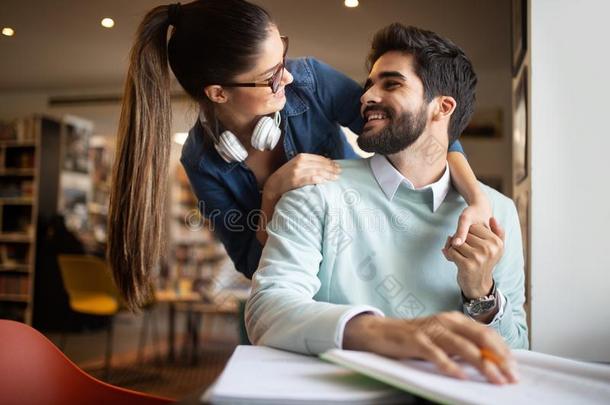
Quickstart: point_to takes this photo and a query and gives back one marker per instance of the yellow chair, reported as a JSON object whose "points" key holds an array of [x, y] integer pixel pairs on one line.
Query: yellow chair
{"points": [[91, 291]]}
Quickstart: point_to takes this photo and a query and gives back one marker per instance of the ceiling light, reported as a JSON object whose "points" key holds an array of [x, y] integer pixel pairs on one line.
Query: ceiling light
{"points": [[7, 31], [351, 3], [180, 137], [108, 22]]}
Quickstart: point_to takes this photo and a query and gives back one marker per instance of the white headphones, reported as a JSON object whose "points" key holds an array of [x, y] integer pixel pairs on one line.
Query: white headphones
{"points": [[265, 136]]}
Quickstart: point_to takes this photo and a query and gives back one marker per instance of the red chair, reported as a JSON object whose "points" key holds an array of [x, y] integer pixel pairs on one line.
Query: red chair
{"points": [[34, 371]]}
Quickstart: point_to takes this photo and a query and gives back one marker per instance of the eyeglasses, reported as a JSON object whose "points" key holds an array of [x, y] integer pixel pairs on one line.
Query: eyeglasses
{"points": [[274, 81]]}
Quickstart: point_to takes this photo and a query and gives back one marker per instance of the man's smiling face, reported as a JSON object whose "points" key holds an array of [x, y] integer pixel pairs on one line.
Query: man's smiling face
{"points": [[393, 105]]}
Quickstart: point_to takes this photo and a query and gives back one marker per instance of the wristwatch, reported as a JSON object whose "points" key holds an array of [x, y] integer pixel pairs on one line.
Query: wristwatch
{"points": [[481, 306]]}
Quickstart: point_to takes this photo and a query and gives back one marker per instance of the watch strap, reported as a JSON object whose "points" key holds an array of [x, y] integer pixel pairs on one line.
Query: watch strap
{"points": [[491, 294]]}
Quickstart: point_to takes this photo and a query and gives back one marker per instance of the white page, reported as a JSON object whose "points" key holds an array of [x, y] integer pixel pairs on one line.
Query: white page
{"points": [[543, 379], [256, 374]]}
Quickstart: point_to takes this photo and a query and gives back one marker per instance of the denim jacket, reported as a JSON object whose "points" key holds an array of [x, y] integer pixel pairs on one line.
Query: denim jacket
{"points": [[318, 102]]}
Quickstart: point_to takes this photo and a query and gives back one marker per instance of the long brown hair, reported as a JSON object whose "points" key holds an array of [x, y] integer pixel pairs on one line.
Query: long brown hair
{"points": [[212, 42]]}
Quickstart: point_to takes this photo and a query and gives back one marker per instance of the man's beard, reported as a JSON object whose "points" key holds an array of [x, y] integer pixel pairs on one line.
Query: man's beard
{"points": [[400, 133]]}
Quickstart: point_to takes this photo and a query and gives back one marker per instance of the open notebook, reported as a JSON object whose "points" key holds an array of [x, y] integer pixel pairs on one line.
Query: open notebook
{"points": [[544, 379], [261, 375]]}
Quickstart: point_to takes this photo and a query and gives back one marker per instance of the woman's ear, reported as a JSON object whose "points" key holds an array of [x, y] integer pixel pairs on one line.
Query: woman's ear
{"points": [[445, 106], [216, 93]]}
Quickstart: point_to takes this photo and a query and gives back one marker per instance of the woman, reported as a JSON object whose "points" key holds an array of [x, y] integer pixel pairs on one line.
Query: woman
{"points": [[266, 126]]}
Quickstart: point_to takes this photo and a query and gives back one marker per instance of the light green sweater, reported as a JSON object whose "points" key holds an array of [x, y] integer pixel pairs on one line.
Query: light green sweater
{"points": [[342, 248]]}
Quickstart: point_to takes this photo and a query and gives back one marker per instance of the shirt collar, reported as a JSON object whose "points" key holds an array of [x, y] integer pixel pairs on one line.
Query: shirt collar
{"points": [[389, 179], [295, 104]]}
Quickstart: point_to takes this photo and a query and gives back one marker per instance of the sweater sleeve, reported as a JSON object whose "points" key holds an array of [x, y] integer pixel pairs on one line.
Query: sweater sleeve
{"points": [[281, 311], [510, 280]]}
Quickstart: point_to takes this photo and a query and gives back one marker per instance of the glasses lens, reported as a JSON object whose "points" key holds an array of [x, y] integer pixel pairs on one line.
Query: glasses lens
{"points": [[285, 41], [276, 80]]}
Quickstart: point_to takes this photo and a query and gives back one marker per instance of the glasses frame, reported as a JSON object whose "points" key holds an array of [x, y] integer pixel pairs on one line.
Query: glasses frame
{"points": [[275, 80]]}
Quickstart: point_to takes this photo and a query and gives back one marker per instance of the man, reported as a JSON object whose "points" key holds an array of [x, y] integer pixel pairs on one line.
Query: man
{"points": [[357, 264]]}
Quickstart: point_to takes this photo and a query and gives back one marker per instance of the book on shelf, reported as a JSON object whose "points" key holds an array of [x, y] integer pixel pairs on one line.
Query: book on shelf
{"points": [[13, 255], [14, 284], [21, 130], [19, 158]]}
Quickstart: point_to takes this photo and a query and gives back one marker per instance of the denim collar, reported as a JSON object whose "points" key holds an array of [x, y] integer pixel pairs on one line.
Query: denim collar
{"points": [[295, 105]]}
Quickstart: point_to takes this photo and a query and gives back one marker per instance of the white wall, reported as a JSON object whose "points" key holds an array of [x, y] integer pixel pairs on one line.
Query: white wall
{"points": [[570, 187]]}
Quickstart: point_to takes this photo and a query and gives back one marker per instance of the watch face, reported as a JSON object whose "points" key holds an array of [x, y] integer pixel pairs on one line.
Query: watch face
{"points": [[482, 306]]}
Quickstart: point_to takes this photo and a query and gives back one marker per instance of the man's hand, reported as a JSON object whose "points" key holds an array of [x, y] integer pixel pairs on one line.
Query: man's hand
{"points": [[476, 258], [435, 339]]}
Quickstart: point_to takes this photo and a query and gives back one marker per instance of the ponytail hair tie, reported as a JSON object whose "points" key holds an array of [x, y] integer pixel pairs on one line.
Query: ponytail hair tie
{"points": [[173, 14]]}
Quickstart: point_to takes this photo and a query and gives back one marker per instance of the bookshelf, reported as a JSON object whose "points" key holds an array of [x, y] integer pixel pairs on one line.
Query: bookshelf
{"points": [[63, 220], [101, 155], [44, 171], [196, 260], [19, 177], [193, 246]]}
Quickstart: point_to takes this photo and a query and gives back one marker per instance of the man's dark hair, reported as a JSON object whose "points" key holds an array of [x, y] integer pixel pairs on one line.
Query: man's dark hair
{"points": [[442, 66]]}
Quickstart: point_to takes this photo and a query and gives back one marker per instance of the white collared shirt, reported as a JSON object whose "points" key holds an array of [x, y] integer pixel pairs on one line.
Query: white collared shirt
{"points": [[390, 179]]}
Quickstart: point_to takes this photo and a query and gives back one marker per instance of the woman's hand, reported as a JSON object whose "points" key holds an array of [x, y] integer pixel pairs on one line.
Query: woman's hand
{"points": [[479, 212], [304, 169]]}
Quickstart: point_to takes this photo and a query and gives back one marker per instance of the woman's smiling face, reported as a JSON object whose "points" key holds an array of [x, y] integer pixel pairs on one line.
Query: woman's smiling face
{"points": [[261, 100]]}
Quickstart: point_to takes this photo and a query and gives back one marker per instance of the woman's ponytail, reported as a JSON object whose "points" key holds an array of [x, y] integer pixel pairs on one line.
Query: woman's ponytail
{"points": [[212, 42], [139, 179]]}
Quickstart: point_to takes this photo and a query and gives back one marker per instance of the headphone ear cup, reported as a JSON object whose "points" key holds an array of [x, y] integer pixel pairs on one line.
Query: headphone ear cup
{"points": [[266, 134], [230, 149]]}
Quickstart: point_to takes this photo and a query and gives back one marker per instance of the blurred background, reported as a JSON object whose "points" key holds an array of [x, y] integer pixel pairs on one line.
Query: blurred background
{"points": [[63, 65]]}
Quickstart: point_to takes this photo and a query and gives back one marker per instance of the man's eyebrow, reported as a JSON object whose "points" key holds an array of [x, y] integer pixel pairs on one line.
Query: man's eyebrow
{"points": [[385, 75], [392, 74]]}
